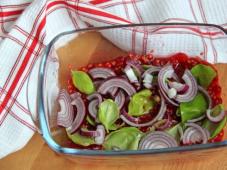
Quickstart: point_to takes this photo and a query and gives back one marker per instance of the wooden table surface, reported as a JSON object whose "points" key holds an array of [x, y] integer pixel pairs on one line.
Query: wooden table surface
{"points": [[36, 155]]}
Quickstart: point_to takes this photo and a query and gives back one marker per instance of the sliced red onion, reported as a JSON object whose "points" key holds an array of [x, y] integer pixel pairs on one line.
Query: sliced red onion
{"points": [[209, 100], [88, 133], [116, 82], [95, 96], [100, 138], [101, 73], [66, 114], [165, 73], [194, 133], [136, 66], [134, 121], [93, 108], [147, 81], [148, 77], [196, 119], [98, 134], [168, 99], [181, 88], [120, 99], [113, 91], [192, 88], [217, 118], [168, 124], [168, 72], [157, 140], [208, 112], [80, 115], [130, 74], [172, 93], [151, 70], [127, 117], [75, 95]]}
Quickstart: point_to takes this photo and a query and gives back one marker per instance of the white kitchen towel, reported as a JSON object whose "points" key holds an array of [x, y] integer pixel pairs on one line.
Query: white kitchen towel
{"points": [[27, 26]]}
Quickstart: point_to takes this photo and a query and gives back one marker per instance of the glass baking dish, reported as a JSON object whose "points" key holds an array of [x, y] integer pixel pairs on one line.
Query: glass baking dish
{"points": [[78, 48]]}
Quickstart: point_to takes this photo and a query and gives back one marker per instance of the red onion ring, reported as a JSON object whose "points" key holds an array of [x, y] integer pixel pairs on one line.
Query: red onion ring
{"points": [[217, 118], [136, 65], [181, 88], [165, 73], [129, 118], [151, 70], [167, 124], [100, 138], [116, 82], [134, 121], [93, 108], [147, 76], [131, 75], [192, 88], [157, 140], [168, 99], [194, 133], [103, 73], [66, 114], [95, 96], [120, 99], [88, 133], [98, 134], [80, 115], [75, 95]]}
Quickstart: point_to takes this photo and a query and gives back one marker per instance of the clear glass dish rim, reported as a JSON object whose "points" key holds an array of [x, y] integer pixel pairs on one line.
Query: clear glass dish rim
{"points": [[71, 151]]}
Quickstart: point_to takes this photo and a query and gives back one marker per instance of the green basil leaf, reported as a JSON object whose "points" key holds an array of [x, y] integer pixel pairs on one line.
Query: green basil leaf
{"points": [[174, 131], [193, 109], [204, 74], [83, 82], [126, 138], [108, 113], [81, 140], [140, 103], [215, 128]]}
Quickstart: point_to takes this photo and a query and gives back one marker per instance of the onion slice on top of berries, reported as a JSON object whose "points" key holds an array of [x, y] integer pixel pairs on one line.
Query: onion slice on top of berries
{"points": [[79, 116], [190, 88], [194, 134], [66, 114], [157, 140], [117, 82]]}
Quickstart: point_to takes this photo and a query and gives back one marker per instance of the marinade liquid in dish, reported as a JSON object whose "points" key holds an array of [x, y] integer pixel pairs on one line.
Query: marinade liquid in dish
{"points": [[142, 102]]}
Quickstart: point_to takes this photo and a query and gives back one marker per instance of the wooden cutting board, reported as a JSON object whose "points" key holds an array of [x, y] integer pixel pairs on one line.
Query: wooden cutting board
{"points": [[36, 155]]}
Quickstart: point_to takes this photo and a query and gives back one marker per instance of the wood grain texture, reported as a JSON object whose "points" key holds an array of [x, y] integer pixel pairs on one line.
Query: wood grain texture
{"points": [[38, 156]]}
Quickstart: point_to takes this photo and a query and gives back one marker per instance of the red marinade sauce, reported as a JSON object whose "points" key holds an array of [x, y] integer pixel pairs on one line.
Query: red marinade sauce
{"points": [[180, 62]]}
